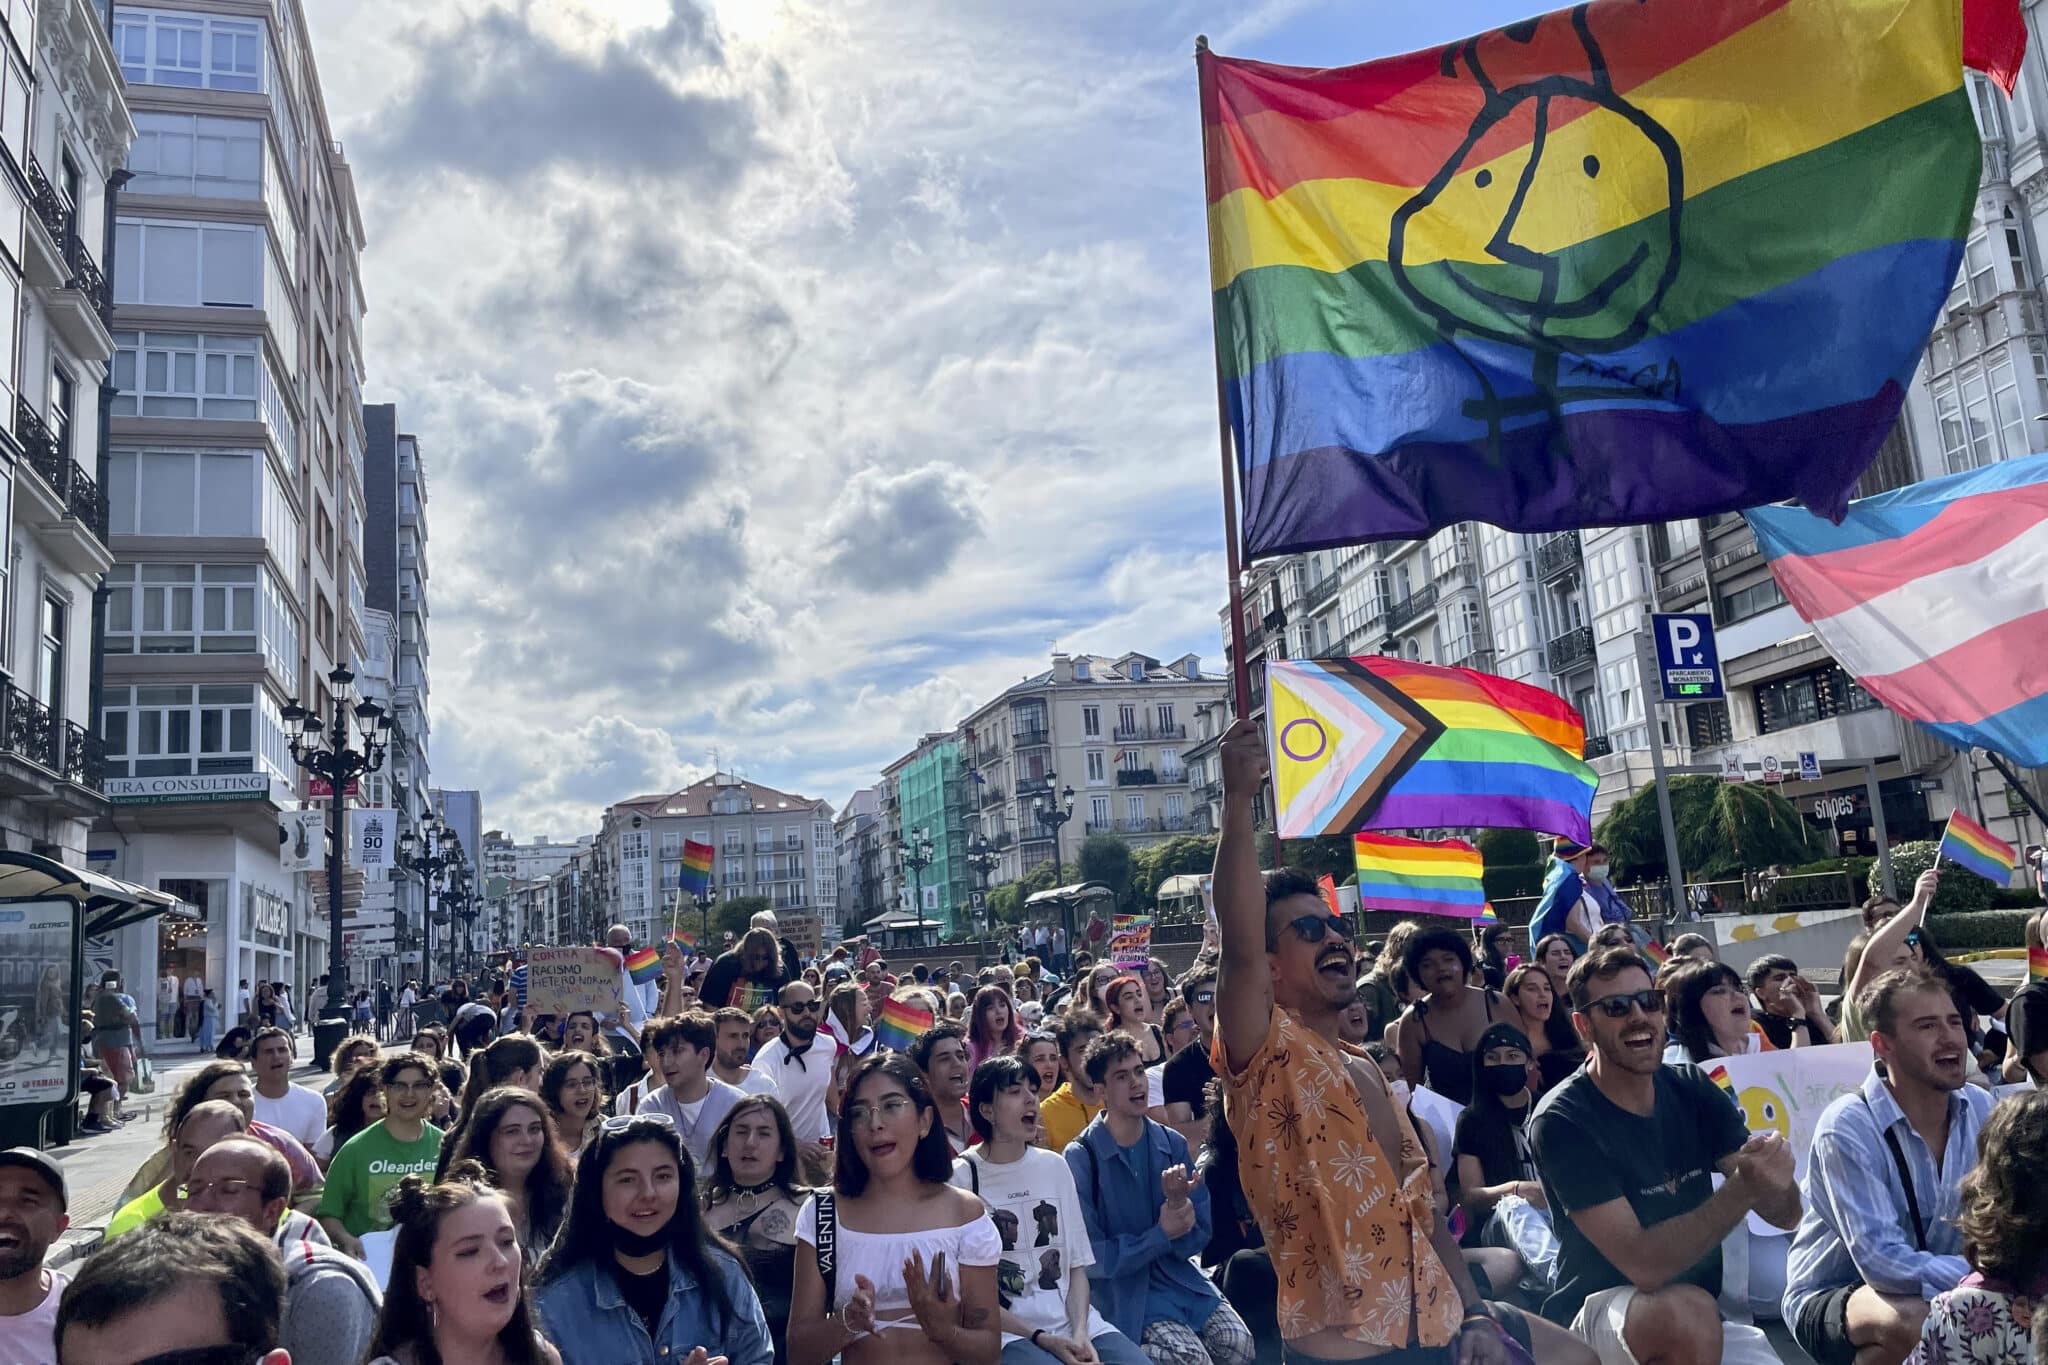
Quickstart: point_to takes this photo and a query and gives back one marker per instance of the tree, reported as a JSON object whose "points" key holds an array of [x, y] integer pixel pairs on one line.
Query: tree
{"points": [[1107, 859], [1327, 855], [1509, 848], [1178, 856], [731, 917], [1724, 829], [1006, 902]]}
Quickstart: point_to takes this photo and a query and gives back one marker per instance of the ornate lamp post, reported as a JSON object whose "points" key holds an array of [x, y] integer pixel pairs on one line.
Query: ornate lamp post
{"points": [[338, 750], [982, 857], [426, 855], [1054, 814], [917, 856]]}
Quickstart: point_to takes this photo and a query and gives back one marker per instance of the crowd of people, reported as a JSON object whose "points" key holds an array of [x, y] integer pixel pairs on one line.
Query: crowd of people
{"points": [[1296, 1150]]}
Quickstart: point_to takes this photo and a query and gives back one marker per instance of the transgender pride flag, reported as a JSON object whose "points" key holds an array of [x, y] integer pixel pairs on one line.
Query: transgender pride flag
{"points": [[1935, 596]]}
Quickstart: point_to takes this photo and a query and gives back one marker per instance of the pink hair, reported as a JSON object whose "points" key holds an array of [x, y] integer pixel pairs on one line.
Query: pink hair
{"points": [[980, 1047]]}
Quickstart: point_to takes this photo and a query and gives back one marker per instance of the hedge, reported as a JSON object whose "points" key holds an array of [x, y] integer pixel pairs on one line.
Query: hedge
{"points": [[1975, 930], [1960, 890], [1507, 883]]}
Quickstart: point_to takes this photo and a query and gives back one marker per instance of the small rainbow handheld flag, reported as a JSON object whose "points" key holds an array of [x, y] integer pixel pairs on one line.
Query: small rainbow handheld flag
{"points": [[695, 879], [643, 965], [1420, 876], [901, 1024], [1971, 846], [684, 937]]}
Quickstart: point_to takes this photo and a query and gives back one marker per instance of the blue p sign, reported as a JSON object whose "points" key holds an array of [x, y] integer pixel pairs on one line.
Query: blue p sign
{"points": [[1688, 665]]}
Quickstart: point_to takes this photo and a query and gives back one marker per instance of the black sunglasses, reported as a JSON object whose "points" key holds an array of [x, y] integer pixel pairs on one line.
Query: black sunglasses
{"points": [[1619, 1006], [805, 1007], [1313, 928]]}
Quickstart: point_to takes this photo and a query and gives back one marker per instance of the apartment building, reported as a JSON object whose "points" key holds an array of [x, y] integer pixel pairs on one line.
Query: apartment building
{"points": [[463, 813], [769, 843], [395, 584], [1114, 729], [856, 843], [926, 797], [64, 131], [235, 474]]}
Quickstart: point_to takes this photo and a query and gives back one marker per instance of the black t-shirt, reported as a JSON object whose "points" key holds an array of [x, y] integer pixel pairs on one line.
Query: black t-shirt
{"points": [[1186, 1076], [1592, 1151], [1498, 1138], [1777, 1027], [644, 1294], [2027, 1020], [724, 977]]}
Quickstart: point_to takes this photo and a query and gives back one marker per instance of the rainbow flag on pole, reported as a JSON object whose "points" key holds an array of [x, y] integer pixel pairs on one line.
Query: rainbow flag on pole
{"points": [[901, 1024], [1630, 261], [1969, 845], [643, 965], [2037, 964], [1419, 876], [696, 874]]}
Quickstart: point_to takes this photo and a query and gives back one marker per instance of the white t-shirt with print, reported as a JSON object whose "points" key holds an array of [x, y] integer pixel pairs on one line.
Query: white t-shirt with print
{"points": [[1037, 1214]]}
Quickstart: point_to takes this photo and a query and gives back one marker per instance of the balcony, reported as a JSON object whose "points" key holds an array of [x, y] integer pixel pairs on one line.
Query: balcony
{"points": [[1466, 656], [39, 751], [1458, 570], [63, 501], [1037, 737], [1208, 793], [79, 302], [1146, 734], [1001, 839], [991, 795], [1598, 746], [1136, 777], [1557, 555], [1570, 650], [1411, 608], [1148, 825], [1321, 591], [1032, 786]]}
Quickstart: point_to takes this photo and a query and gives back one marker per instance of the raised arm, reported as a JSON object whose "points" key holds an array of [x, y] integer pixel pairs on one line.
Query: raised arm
{"points": [[1888, 938], [1244, 985]]}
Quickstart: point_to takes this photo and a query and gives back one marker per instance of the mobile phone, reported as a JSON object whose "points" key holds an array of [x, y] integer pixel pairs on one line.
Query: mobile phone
{"points": [[940, 1285]]}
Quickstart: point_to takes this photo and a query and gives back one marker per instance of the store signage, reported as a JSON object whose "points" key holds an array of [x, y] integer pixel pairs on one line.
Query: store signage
{"points": [[166, 791], [1833, 807], [321, 787]]}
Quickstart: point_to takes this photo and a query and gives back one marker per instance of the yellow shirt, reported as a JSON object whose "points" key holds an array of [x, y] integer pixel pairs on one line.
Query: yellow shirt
{"points": [[136, 1212], [1063, 1115]]}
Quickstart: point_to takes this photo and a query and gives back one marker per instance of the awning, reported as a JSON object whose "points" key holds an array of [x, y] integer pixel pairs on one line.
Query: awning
{"points": [[1080, 893], [109, 902]]}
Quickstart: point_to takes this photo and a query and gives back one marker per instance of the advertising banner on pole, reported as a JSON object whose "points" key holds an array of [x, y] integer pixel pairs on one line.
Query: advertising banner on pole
{"points": [[304, 840], [369, 838]]}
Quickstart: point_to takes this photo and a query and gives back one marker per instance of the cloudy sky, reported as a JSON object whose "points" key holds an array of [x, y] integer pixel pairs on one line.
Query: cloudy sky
{"points": [[791, 374]]}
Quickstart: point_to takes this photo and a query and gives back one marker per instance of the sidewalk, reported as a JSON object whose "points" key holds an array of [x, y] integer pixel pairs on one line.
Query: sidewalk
{"points": [[98, 1166]]}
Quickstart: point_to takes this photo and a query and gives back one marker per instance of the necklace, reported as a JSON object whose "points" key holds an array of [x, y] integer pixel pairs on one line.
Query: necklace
{"points": [[748, 1197]]}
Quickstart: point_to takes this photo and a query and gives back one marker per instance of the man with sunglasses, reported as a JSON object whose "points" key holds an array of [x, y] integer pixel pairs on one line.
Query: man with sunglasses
{"points": [[1628, 1148], [183, 1289], [800, 1062], [331, 1301], [1328, 1164]]}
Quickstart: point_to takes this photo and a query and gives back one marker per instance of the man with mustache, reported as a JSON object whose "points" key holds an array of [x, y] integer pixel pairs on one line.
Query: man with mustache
{"points": [[33, 1205]]}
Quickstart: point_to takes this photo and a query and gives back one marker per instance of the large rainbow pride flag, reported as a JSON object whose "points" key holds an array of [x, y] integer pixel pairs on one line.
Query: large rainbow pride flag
{"points": [[1630, 261]]}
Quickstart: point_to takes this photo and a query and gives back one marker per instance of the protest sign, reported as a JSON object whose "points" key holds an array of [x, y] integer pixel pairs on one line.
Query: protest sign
{"points": [[1784, 1092], [563, 980], [1130, 940]]}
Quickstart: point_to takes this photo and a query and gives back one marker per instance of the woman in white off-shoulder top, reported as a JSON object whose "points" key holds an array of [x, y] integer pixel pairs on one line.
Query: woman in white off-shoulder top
{"points": [[913, 1257]]}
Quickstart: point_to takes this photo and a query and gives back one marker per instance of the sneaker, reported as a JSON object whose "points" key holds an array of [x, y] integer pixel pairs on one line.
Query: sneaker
{"points": [[95, 1126]]}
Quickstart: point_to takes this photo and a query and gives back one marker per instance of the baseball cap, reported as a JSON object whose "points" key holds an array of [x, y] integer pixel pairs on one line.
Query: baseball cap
{"points": [[31, 1159]]}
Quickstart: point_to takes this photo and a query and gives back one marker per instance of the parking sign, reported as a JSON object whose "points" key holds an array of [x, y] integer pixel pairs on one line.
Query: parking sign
{"points": [[1688, 666], [1809, 766]]}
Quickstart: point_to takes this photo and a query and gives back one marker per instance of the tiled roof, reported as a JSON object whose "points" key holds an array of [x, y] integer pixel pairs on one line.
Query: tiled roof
{"points": [[696, 798]]}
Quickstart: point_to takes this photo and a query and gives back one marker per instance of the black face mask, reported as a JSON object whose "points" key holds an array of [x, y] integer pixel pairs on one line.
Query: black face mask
{"points": [[638, 1244], [1504, 1078]]}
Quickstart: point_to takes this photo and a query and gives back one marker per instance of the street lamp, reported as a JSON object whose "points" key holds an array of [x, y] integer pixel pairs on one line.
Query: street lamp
{"points": [[982, 857], [426, 855], [338, 751], [1053, 815], [917, 856], [463, 904]]}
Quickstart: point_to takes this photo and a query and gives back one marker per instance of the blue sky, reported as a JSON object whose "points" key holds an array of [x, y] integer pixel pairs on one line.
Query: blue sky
{"points": [[792, 373]]}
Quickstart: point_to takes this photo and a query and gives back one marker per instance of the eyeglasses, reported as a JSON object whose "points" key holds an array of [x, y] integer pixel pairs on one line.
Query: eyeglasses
{"points": [[411, 1087], [1619, 1006], [229, 1187], [888, 1111], [580, 1083], [805, 1007], [1313, 928], [619, 1123]]}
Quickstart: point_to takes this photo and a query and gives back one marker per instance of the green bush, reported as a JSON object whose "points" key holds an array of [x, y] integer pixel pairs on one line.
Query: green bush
{"points": [[2005, 898], [1509, 847], [1960, 893], [1978, 930], [1505, 883]]}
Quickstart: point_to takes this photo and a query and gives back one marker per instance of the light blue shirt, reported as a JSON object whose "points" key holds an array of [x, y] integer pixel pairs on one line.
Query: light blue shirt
{"points": [[1856, 1227], [586, 1316]]}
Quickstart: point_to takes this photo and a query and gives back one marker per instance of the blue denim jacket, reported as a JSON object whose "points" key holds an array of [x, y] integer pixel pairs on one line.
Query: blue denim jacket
{"points": [[588, 1319], [1139, 1277]]}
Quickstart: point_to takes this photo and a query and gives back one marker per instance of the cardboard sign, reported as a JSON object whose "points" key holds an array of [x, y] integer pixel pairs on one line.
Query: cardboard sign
{"points": [[1784, 1092], [1130, 940], [561, 981]]}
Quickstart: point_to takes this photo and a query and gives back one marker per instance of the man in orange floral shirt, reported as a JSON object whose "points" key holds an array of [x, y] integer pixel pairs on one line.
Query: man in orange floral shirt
{"points": [[1330, 1165]]}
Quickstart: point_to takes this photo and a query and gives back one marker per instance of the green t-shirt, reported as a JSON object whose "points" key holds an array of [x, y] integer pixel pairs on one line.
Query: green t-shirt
{"points": [[136, 1212], [368, 1168]]}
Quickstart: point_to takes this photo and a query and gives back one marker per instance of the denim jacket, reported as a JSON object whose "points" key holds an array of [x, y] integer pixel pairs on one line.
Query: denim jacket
{"points": [[1139, 1276], [588, 1319]]}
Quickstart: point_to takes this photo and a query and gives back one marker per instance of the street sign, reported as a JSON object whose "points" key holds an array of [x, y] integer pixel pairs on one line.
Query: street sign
{"points": [[1731, 768], [1809, 766], [2015, 804], [1688, 666], [1772, 771]]}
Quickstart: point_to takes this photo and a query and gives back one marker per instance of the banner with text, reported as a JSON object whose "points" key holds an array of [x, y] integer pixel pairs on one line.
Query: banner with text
{"points": [[564, 980], [1130, 940], [302, 836], [370, 831], [1784, 1092]]}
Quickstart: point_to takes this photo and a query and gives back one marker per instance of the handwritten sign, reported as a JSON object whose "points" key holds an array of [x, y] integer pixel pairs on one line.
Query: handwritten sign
{"points": [[1130, 940], [563, 980], [1784, 1092]]}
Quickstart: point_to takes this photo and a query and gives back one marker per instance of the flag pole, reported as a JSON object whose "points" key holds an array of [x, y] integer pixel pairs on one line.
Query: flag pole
{"points": [[2012, 780], [1240, 666]]}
